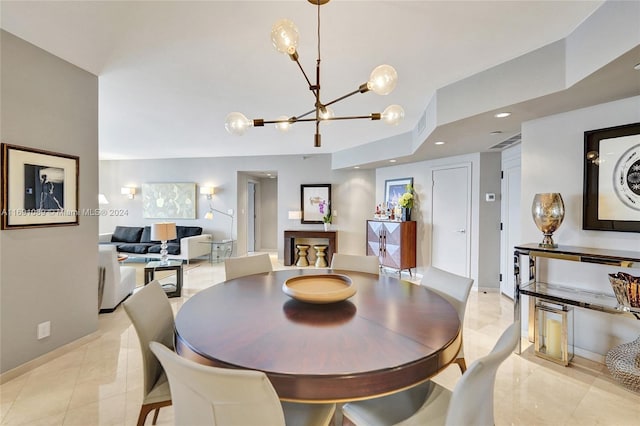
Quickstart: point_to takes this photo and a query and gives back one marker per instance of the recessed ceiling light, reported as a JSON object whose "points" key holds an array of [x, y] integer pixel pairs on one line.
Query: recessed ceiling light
{"points": [[496, 132], [356, 167], [502, 114], [439, 143], [392, 161], [637, 67]]}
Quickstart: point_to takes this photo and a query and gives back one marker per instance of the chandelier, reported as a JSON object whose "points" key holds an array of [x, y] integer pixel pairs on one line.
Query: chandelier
{"points": [[284, 36]]}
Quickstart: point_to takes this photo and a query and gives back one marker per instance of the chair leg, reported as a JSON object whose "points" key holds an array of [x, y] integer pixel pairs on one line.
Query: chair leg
{"points": [[462, 364], [144, 412], [145, 409], [155, 416]]}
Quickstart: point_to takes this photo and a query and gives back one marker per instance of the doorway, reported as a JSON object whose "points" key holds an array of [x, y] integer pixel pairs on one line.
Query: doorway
{"points": [[510, 207], [251, 216]]}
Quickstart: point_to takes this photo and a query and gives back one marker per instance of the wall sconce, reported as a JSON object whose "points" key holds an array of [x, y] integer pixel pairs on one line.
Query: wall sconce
{"points": [[207, 190], [295, 214], [128, 191]]}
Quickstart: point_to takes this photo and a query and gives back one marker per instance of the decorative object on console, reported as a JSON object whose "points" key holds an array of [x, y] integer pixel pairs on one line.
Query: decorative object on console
{"points": [[548, 213], [284, 36], [169, 200], [311, 197], [39, 188], [163, 232], [611, 199], [627, 289], [623, 363]]}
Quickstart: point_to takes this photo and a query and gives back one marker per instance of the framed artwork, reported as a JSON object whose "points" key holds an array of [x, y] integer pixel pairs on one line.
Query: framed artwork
{"points": [[611, 200], [311, 196], [169, 200], [394, 188], [39, 188]]}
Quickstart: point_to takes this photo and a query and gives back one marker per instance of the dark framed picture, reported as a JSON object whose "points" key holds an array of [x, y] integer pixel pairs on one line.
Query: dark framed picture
{"points": [[394, 188], [39, 188], [315, 202], [611, 200]]}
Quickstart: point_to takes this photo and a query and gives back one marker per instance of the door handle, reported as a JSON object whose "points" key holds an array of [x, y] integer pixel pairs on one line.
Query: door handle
{"points": [[461, 231]]}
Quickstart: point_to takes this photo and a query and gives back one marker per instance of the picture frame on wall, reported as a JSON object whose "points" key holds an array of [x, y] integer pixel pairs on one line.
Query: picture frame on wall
{"points": [[39, 188], [611, 200], [311, 196], [394, 188], [171, 200]]}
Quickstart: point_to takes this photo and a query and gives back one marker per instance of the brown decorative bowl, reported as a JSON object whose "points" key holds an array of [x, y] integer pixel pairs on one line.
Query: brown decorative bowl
{"points": [[321, 288], [626, 288]]}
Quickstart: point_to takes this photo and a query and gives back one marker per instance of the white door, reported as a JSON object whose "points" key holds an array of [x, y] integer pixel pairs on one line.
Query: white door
{"points": [[510, 207], [450, 235]]}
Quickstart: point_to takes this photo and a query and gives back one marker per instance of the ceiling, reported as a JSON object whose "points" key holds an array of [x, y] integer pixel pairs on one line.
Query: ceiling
{"points": [[170, 71]]}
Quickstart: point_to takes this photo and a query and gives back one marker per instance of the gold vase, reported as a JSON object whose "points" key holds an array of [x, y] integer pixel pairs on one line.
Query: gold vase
{"points": [[548, 213]]}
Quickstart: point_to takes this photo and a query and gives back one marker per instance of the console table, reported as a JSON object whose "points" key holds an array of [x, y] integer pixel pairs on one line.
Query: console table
{"points": [[290, 245], [564, 294]]}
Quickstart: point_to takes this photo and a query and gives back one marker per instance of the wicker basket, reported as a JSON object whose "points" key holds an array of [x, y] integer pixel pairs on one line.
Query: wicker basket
{"points": [[626, 288]]}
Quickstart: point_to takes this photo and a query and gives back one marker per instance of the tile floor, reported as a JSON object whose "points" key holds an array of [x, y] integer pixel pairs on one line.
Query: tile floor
{"points": [[100, 383]]}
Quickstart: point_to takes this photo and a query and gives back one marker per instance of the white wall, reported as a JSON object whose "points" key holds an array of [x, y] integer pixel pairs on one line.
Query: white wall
{"points": [[48, 274], [352, 194], [485, 217], [552, 161]]}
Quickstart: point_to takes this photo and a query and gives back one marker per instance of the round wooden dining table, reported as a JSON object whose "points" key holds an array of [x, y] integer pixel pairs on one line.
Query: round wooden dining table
{"points": [[388, 336]]}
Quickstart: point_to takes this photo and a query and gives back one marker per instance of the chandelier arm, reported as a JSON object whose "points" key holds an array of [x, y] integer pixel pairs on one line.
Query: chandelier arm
{"points": [[372, 116], [306, 77], [359, 90]]}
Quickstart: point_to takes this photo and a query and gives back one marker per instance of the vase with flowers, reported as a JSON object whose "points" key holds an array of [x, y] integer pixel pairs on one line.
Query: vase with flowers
{"points": [[325, 211], [405, 202]]}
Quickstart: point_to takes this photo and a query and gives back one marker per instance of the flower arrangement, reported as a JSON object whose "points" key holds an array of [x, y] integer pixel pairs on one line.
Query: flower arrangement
{"points": [[323, 207], [406, 200]]}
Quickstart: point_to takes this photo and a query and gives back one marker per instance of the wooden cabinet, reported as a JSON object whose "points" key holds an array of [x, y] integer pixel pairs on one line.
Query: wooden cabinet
{"points": [[393, 242]]}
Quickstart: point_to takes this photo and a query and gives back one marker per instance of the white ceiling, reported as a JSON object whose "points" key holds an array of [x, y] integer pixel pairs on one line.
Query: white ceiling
{"points": [[170, 71]]}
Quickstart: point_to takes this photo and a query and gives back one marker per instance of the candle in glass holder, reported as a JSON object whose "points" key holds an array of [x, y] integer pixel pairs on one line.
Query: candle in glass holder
{"points": [[554, 338]]}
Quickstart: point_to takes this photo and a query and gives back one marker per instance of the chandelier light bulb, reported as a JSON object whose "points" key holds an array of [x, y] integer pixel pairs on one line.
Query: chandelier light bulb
{"points": [[284, 126], [393, 115], [383, 80], [284, 36], [327, 113], [236, 123]]}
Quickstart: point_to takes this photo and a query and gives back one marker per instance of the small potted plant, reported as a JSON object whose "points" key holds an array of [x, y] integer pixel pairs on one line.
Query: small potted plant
{"points": [[325, 211]]}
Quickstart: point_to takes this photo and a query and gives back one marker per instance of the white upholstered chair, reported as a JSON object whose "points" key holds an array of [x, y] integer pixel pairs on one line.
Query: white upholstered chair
{"points": [[455, 289], [357, 263], [235, 267], [204, 395], [119, 281], [470, 403], [150, 312]]}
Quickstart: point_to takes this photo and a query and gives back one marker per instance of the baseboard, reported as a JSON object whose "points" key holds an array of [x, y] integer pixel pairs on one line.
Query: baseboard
{"points": [[45, 358]]}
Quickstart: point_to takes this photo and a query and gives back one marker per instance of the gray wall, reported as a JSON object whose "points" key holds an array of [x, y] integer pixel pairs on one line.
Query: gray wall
{"points": [[48, 274], [552, 161]]}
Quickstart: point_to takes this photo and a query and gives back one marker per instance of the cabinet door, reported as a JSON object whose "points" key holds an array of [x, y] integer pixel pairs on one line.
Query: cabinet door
{"points": [[374, 238], [392, 236]]}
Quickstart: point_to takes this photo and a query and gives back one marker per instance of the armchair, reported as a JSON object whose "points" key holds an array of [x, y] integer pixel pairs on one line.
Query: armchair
{"points": [[119, 281]]}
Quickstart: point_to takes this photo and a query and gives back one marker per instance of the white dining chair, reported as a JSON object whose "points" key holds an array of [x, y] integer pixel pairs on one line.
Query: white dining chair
{"points": [[235, 267], [205, 395], [470, 403], [150, 312], [455, 289], [357, 263]]}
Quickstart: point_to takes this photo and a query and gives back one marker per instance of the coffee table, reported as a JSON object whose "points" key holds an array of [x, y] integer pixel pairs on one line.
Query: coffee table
{"points": [[172, 290]]}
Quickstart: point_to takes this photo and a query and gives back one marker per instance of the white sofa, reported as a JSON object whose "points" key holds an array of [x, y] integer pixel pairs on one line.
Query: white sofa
{"points": [[119, 281]]}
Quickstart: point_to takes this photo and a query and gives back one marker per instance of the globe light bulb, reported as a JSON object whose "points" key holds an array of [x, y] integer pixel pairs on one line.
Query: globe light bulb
{"points": [[236, 123], [326, 113], [383, 80], [284, 126], [284, 36], [393, 115]]}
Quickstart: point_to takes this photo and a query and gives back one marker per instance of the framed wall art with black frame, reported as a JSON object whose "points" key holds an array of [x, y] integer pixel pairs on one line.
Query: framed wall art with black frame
{"points": [[611, 200], [311, 197], [39, 188]]}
